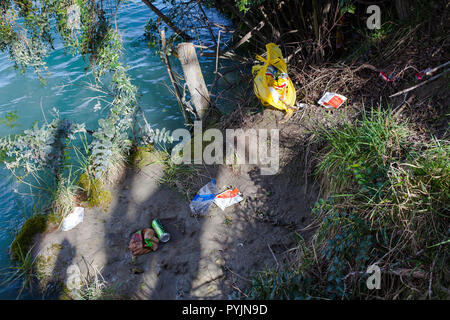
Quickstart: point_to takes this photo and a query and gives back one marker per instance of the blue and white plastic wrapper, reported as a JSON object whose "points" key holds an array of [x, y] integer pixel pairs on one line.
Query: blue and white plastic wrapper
{"points": [[204, 198]]}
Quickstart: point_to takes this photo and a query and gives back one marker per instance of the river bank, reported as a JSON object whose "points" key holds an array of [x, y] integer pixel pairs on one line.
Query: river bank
{"points": [[365, 184], [206, 257], [68, 90]]}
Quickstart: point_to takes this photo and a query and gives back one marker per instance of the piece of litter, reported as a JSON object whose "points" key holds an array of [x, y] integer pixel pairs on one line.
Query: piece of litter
{"points": [[160, 231], [73, 219], [272, 84], [420, 75], [388, 77], [204, 198], [208, 195], [143, 241], [228, 198], [429, 71], [331, 99]]}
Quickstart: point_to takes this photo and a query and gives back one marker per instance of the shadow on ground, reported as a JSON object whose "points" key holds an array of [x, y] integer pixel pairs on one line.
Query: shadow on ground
{"points": [[211, 257]]}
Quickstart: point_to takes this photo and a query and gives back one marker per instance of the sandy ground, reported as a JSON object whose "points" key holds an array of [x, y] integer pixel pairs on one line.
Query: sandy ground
{"points": [[208, 257]]}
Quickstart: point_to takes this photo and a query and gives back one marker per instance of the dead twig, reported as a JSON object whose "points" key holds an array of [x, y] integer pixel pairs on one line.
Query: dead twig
{"points": [[238, 275], [185, 36], [274, 257]]}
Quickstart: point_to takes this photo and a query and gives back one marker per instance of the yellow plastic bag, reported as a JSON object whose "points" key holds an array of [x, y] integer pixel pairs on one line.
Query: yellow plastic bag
{"points": [[272, 85]]}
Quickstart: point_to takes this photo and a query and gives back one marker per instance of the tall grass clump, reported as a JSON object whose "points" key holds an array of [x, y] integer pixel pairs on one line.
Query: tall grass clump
{"points": [[22, 265], [385, 202], [21, 270], [394, 189], [360, 151]]}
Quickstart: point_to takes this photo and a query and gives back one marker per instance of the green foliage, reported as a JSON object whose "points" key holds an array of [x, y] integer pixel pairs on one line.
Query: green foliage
{"points": [[111, 137], [245, 5], [97, 195], [151, 35], [373, 37], [150, 32], [144, 156], [84, 27], [27, 44], [398, 188], [359, 151], [433, 168], [371, 181], [422, 182], [272, 284], [107, 57], [22, 270], [373, 158], [63, 196], [350, 245], [10, 119], [3, 154], [26, 31], [94, 28], [394, 211], [24, 239], [37, 149], [347, 6]]}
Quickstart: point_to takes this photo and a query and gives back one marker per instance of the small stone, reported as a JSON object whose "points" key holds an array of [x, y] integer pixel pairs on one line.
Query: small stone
{"points": [[220, 261]]}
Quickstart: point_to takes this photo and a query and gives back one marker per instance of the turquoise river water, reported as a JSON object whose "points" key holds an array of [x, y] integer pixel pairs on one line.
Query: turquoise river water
{"points": [[65, 91]]}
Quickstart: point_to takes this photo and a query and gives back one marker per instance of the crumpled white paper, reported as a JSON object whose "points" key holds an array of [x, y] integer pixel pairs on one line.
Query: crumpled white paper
{"points": [[73, 219]]}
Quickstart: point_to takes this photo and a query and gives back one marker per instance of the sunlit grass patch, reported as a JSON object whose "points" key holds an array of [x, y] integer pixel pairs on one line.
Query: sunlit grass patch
{"points": [[386, 202]]}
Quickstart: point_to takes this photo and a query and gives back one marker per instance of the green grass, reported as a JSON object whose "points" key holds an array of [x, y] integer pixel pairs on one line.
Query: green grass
{"points": [[397, 187], [23, 262], [271, 284], [24, 239], [360, 151], [181, 177], [21, 269], [386, 201], [97, 195], [63, 199]]}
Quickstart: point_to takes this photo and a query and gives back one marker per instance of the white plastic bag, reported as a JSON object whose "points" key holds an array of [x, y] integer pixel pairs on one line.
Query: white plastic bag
{"points": [[204, 198], [73, 219]]}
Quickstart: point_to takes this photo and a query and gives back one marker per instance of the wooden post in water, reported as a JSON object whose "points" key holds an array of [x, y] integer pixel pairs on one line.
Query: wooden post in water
{"points": [[182, 105], [194, 78]]}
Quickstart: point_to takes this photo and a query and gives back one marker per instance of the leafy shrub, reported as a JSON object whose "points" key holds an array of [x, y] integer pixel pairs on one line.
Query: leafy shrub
{"points": [[273, 284], [348, 250]]}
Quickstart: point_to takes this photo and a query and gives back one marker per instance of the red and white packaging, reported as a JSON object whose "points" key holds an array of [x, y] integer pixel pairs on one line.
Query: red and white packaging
{"points": [[331, 99], [228, 198], [422, 74]]}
